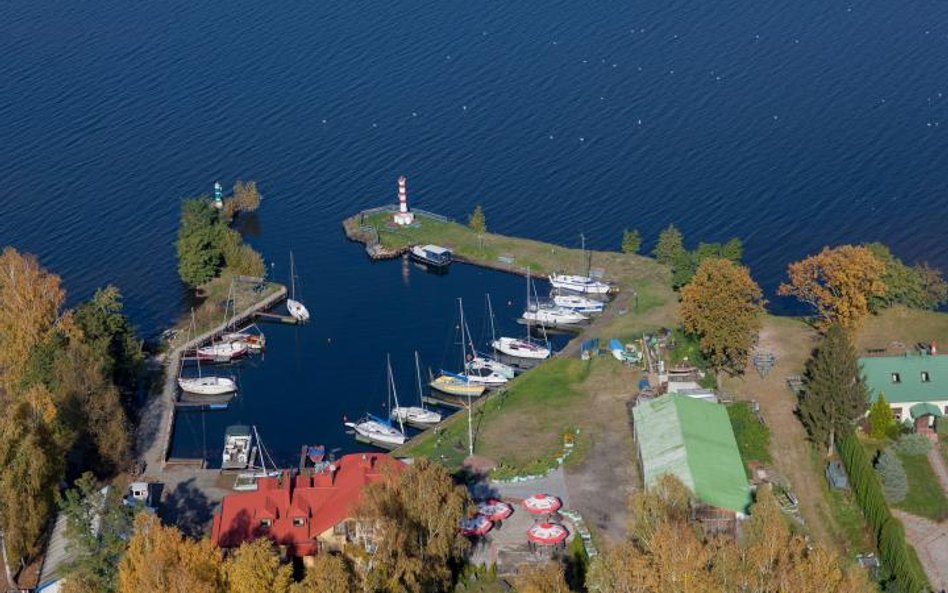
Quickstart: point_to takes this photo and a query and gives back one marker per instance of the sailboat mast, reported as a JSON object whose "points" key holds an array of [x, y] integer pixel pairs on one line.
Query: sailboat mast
{"points": [[490, 311], [292, 278], [463, 339], [391, 379], [421, 398]]}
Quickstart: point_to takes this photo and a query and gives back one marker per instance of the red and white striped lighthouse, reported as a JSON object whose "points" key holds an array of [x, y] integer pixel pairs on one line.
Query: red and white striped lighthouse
{"points": [[403, 217]]}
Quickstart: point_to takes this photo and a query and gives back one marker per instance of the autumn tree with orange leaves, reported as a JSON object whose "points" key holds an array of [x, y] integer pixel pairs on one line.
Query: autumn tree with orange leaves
{"points": [[723, 306], [667, 554], [839, 283], [161, 560]]}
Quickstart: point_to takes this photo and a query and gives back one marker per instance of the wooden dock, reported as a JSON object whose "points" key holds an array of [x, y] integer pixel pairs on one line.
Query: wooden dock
{"points": [[157, 424], [275, 318]]}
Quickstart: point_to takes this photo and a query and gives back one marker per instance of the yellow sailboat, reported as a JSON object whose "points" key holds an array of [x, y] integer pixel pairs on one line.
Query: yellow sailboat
{"points": [[457, 385]]}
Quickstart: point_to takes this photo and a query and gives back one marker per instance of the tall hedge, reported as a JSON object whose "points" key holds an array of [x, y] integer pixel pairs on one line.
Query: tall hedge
{"points": [[888, 532]]}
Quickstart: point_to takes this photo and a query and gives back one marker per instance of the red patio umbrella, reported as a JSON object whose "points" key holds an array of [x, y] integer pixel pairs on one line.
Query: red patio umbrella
{"points": [[495, 510], [542, 504], [547, 534], [476, 525]]}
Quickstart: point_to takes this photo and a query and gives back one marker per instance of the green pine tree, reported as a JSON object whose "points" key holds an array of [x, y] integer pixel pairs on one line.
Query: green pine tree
{"points": [[892, 475], [670, 246], [631, 241], [835, 394], [881, 418]]}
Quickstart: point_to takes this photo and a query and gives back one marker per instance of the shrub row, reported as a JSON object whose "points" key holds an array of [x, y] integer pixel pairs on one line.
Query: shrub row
{"points": [[888, 533]]}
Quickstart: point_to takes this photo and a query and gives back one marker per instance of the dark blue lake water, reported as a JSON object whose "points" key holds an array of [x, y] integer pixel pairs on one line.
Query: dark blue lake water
{"points": [[790, 125]]}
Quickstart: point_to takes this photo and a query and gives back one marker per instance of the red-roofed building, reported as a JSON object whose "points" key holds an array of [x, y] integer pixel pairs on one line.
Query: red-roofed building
{"points": [[305, 513]]}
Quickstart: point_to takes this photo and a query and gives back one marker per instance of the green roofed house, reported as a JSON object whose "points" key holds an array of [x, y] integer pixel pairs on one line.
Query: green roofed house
{"points": [[692, 439], [915, 385]]}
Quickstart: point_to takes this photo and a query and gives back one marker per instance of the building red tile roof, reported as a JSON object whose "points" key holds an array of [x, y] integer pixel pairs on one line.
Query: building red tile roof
{"points": [[317, 501]]}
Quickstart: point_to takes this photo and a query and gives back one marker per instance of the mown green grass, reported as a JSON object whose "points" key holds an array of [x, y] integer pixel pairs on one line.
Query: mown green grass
{"points": [[534, 402], [925, 496], [753, 437]]}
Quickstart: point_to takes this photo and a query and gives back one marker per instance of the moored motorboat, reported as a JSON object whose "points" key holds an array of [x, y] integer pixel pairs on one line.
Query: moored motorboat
{"points": [[577, 303], [209, 385], [553, 315], [416, 416], [433, 256], [519, 348], [486, 377], [494, 366], [238, 440]]}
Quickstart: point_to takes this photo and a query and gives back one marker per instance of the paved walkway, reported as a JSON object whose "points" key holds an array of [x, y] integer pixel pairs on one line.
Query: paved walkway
{"points": [[930, 540], [938, 465]]}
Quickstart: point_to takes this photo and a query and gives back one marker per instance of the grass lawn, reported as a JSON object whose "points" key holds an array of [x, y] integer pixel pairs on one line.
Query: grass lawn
{"points": [[851, 532], [900, 324], [523, 428], [753, 437], [925, 497]]}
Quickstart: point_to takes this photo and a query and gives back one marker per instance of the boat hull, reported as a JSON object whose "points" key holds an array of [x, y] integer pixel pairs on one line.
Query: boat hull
{"points": [[297, 310], [375, 437], [457, 388], [579, 284], [207, 385], [521, 349]]}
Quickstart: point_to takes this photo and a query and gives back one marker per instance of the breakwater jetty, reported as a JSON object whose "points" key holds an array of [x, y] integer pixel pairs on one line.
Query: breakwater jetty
{"points": [[156, 426]]}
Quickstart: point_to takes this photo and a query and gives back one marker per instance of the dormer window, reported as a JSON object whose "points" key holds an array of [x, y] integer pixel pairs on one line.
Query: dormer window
{"points": [[266, 523], [925, 377], [298, 521], [896, 378]]}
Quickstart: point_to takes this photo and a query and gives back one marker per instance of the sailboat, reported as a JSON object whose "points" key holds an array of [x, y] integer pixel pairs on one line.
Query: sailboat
{"points": [[377, 431], [523, 348], [296, 308], [581, 284], [577, 303], [480, 361], [482, 374], [254, 340], [419, 415], [459, 384], [201, 385], [248, 480]]}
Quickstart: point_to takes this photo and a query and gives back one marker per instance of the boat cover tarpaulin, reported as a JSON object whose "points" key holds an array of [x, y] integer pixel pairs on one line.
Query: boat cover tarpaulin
{"points": [[590, 345], [692, 439]]}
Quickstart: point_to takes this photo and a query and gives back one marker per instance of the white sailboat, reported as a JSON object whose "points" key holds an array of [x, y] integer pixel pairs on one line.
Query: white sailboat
{"points": [[419, 415], [581, 284], [553, 315], [296, 308], [222, 351], [577, 303], [522, 348], [480, 361], [201, 385], [462, 384], [377, 431], [248, 480]]}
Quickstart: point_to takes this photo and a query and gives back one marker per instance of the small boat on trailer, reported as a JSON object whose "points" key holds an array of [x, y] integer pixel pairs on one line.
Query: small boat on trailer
{"points": [[433, 256]]}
